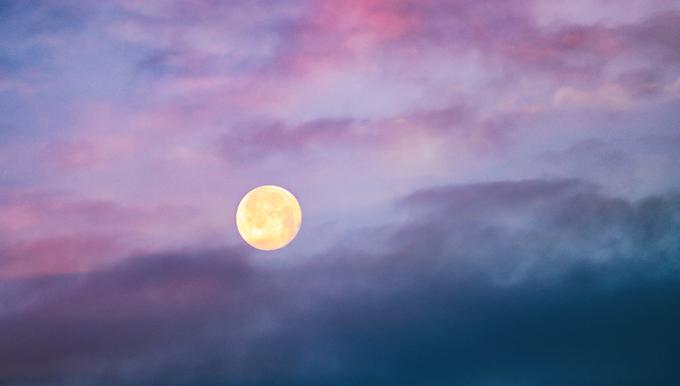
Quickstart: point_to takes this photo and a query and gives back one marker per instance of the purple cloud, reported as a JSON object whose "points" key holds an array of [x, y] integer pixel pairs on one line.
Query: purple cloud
{"points": [[434, 292], [487, 188]]}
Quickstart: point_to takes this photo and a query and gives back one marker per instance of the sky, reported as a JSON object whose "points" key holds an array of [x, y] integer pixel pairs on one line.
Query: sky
{"points": [[490, 192]]}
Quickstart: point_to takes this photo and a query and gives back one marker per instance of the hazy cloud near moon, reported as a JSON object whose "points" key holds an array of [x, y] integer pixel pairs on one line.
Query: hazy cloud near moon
{"points": [[591, 280]]}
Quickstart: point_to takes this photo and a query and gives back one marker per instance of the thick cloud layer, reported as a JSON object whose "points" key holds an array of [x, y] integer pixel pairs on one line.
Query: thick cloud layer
{"points": [[514, 283]]}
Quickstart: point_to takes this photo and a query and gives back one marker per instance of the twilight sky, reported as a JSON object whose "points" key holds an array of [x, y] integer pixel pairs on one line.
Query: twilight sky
{"points": [[490, 192]]}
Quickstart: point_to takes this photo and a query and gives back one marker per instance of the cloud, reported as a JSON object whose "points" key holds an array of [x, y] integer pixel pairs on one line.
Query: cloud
{"points": [[609, 97], [127, 129], [87, 153], [258, 140], [426, 136], [506, 282], [56, 232], [674, 88], [57, 254]]}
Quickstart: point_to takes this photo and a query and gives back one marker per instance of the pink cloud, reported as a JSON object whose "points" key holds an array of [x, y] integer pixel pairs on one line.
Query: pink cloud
{"points": [[57, 255], [89, 151], [344, 33], [431, 136], [52, 232], [609, 97]]}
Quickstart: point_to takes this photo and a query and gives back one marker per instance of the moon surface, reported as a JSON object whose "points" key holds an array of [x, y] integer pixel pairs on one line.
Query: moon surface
{"points": [[268, 217]]}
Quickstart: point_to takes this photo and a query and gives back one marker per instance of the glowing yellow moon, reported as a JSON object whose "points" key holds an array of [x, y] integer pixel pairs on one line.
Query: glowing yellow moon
{"points": [[268, 217]]}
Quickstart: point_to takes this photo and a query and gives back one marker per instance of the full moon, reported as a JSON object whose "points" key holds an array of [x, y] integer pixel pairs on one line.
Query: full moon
{"points": [[268, 217]]}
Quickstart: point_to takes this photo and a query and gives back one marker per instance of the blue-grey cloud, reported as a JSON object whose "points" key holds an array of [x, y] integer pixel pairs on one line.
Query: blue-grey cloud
{"points": [[514, 283]]}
